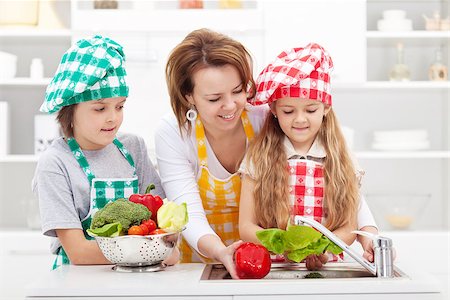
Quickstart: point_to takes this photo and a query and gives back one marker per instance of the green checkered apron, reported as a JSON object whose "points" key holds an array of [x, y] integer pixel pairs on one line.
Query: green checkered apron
{"points": [[103, 190]]}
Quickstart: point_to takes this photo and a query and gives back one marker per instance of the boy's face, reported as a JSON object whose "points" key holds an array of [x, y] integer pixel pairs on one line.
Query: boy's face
{"points": [[96, 122], [300, 119], [219, 97]]}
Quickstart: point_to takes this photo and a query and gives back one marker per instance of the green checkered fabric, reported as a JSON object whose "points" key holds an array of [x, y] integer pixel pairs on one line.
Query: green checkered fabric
{"points": [[90, 70]]}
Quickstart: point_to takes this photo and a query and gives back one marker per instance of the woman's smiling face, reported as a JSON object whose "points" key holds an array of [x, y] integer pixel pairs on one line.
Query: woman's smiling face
{"points": [[300, 119], [219, 97]]}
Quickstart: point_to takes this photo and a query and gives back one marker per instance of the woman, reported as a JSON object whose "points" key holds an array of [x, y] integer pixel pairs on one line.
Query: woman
{"points": [[200, 147]]}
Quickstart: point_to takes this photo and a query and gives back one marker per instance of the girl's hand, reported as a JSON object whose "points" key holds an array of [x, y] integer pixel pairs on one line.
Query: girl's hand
{"points": [[316, 262], [226, 256], [368, 252]]}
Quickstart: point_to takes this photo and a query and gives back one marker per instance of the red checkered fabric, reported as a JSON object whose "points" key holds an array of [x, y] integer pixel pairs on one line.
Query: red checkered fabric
{"points": [[306, 188], [297, 73], [306, 191]]}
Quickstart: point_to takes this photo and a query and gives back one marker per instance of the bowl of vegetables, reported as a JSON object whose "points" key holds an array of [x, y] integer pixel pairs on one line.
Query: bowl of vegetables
{"points": [[128, 236]]}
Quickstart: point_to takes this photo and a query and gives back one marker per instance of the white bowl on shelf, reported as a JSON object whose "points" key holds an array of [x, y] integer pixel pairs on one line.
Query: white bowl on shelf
{"points": [[395, 25], [394, 14], [397, 211]]}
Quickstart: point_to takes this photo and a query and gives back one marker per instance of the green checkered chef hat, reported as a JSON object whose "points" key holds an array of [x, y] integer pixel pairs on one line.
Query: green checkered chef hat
{"points": [[92, 69]]}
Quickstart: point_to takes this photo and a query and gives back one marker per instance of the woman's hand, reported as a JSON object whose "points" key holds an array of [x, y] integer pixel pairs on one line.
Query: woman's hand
{"points": [[316, 262], [226, 256]]}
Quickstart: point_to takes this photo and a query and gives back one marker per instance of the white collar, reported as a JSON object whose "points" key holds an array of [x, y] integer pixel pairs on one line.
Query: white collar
{"points": [[317, 150]]}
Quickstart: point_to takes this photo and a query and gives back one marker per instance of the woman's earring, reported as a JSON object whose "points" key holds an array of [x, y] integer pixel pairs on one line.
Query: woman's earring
{"points": [[191, 114], [275, 116]]}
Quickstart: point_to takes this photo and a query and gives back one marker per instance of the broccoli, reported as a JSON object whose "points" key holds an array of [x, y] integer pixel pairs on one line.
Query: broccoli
{"points": [[123, 211]]}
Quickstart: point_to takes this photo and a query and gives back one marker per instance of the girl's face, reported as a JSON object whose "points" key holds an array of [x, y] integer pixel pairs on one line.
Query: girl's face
{"points": [[95, 123], [300, 120], [219, 97]]}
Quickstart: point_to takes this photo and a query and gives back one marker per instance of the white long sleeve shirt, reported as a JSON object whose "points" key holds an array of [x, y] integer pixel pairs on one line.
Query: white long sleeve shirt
{"points": [[179, 169]]}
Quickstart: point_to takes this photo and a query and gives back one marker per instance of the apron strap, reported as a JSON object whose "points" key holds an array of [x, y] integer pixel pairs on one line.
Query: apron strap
{"points": [[79, 156], [125, 153], [82, 161], [201, 137]]}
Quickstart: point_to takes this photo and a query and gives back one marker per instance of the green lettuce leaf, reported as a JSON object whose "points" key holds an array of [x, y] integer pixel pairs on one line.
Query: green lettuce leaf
{"points": [[298, 237], [333, 248], [108, 230], [273, 239], [297, 242]]}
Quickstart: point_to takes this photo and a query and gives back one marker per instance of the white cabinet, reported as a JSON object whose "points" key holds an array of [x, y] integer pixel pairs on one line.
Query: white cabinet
{"points": [[380, 104]]}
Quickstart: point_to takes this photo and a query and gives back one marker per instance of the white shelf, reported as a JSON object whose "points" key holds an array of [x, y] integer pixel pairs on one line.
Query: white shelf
{"points": [[29, 31], [224, 20], [25, 81], [18, 158], [432, 85], [416, 34], [402, 154], [418, 38]]}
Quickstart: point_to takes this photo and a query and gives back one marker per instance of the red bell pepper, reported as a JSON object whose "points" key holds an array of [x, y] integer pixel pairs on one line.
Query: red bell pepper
{"points": [[153, 203], [252, 261]]}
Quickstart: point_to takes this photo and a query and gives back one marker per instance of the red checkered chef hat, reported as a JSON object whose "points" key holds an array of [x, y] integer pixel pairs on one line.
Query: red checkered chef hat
{"points": [[297, 73]]}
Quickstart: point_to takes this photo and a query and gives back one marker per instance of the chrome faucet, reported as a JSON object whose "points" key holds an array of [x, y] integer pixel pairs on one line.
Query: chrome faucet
{"points": [[383, 256]]}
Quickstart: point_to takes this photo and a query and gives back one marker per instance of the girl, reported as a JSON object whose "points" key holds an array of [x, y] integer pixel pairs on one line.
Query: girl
{"points": [[92, 164], [200, 146], [299, 164]]}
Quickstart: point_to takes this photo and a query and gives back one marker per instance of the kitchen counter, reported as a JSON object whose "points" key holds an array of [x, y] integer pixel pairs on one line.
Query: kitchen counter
{"points": [[183, 280], [25, 270]]}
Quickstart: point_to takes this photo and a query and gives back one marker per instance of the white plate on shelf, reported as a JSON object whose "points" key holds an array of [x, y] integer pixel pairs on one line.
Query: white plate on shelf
{"points": [[402, 146]]}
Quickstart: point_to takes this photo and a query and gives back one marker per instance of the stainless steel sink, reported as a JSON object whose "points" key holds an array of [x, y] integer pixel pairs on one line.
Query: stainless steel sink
{"points": [[283, 271]]}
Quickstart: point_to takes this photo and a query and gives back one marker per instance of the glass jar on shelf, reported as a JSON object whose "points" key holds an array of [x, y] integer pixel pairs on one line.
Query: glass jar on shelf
{"points": [[438, 71], [400, 71]]}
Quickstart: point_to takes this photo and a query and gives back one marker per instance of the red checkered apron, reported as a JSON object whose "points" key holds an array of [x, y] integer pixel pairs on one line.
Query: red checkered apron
{"points": [[306, 190]]}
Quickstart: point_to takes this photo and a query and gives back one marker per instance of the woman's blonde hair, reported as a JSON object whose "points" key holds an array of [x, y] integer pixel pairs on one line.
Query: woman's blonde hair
{"points": [[203, 48], [272, 205]]}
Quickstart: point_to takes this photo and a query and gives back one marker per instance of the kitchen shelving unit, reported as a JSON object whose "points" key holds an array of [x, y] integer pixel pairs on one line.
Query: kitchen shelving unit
{"points": [[418, 103], [364, 99]]}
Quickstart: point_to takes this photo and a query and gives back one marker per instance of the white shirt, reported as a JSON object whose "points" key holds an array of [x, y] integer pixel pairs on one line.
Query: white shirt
{"points": [[317, 153], [179, 169]]}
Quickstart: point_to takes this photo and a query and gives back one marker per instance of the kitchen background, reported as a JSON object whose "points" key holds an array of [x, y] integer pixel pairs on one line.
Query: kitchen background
{"points": [[391, 88]]}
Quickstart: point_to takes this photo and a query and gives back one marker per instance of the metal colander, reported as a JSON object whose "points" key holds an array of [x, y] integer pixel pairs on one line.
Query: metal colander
{"points": [[136, 250]]}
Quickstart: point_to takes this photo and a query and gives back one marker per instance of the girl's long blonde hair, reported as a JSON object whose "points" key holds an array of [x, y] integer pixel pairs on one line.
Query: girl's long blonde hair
{"points": [[267, 155]]}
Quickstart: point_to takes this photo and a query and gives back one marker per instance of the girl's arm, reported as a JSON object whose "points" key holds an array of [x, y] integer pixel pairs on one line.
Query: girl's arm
{"points": [[80, 250], [345, 233], [247, 220]]}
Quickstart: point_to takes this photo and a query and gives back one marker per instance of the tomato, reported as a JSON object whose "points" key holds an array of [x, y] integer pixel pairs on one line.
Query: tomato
{"points": [[150, 224], [252, 261], [145, 229], [158, 231], [135, 230]]}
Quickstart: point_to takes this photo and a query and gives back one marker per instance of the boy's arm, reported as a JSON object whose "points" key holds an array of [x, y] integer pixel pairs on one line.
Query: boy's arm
{"points": [[80, 250]]}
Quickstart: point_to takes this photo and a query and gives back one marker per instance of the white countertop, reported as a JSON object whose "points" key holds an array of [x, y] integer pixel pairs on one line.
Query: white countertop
{"points": [[25, 270], [184, 280]]}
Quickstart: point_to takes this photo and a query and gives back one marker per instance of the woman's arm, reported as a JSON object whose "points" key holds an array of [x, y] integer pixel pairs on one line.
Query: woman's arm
{"points": [[80, 250], [247, 219], [177, 163]]}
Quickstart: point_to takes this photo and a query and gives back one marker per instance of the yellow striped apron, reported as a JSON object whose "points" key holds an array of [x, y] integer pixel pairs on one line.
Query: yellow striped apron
{"points": [[220, 197]]}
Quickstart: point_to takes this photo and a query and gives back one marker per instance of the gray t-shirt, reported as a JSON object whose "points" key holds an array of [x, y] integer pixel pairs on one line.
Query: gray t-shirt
{"points": [[63, 189]]}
